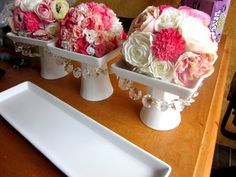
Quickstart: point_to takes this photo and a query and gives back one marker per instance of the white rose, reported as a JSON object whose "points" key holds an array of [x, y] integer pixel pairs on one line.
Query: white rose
{"points": [[83, 7], [29, 5], [197, 36], [116, 25], [90, 35], [90, 50], [136, 49], [170, 18], [162, 69]]}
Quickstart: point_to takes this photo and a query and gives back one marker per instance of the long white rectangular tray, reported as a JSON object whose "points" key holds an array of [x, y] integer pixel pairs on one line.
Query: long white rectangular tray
{"points": [[75, 143]]}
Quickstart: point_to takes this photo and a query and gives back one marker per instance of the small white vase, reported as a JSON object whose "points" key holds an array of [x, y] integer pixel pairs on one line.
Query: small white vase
{"points": [[50, 68], [95, 88], [157, 119]]}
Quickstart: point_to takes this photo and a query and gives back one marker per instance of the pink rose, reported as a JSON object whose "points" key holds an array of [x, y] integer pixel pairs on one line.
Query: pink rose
{"points": [[81, 45], [204, 17], [146, 20], [208, 58], [88, 23], [99, 24], [18, 17], [100, 50], [107, 22], [100, 38], [31, 21], [77, 32], [44, 12], [97, 8], [190, 67]]}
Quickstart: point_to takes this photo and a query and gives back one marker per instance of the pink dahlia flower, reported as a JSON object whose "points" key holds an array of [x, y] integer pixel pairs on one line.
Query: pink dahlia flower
{"points": [[44, 12], [168, 45], [31, 21]]}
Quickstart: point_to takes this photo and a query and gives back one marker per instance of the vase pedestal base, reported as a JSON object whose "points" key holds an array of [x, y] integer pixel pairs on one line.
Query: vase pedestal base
{"points": [[95, 88], [160, 120], [50, 69]]}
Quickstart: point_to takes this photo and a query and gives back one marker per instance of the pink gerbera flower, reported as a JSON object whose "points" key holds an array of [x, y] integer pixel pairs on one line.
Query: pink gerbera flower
{"points": [[168, 45]]}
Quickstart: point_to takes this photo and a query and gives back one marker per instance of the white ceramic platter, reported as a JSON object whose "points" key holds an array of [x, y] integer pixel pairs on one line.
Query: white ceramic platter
{"points": [[121, 70], [90, 60], [27, 40], [75, 143]]}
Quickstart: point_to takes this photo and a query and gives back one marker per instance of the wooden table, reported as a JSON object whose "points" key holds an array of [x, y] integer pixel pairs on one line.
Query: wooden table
{"points": [[188, 149]]}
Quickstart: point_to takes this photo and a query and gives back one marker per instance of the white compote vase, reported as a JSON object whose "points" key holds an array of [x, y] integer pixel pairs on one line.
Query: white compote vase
{"points": [[94, 74], [50, 67], [164, 101]]}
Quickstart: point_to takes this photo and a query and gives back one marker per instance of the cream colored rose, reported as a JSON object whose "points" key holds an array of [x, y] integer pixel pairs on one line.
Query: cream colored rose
{"points": [[146, 20], [60, 8], [197, 36], [17, 3], [52, 29], [170, 18], [136, 49], [29, 5], [162, 70]]}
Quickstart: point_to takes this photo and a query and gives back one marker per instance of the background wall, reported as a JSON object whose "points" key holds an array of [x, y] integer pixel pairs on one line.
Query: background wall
{"points": [[130, 8]]}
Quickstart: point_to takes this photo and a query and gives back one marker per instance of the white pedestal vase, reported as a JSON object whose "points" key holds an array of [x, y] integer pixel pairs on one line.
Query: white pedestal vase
{"points": [[162, 116], [95, 84], [163, 102], [95, 81], [50, 68]]}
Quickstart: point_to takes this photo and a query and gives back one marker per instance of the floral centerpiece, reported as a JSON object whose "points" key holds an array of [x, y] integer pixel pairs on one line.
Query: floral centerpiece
{"points": [[91, 29], [37, 19], [174, 45]]}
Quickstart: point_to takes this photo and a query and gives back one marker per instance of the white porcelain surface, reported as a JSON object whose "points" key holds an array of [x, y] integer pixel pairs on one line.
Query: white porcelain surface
{"points": [[27, 40], [75, 143], [95, 88], [90, 60]]}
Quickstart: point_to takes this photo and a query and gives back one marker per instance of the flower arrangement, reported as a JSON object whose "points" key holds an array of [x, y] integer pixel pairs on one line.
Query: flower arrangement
{"points": [[37, 18], [90, 29], [170, 44]]}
